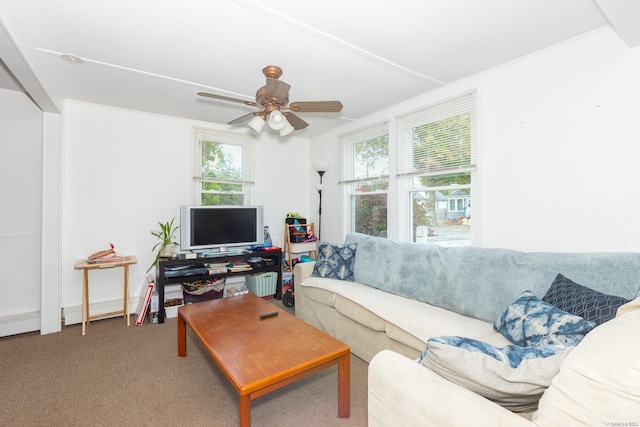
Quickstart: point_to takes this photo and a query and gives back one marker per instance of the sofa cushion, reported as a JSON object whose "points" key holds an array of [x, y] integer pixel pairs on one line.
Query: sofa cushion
{"points": [[335, 261], [582, 301], [417, 318], [358, 313], [529, 321], [321, 295], [599, 381], [512, 376], [400, 335]]}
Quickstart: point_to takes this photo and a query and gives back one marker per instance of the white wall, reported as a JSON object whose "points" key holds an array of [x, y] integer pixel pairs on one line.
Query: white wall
{"points": [[20, 216], [124, 171], [559, 149], [561, 144]]}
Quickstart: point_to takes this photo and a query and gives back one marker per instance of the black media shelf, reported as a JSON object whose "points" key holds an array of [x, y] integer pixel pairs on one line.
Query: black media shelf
{"points": [[162, 280]]}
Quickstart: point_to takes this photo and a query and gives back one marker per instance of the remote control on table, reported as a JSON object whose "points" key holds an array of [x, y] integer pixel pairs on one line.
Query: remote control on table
{"points": [[266, 315]]}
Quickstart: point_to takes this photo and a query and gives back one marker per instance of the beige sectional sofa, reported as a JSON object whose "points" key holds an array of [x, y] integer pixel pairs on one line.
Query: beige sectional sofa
{"points": [[598, 385], [402, 294], [371, 320]]}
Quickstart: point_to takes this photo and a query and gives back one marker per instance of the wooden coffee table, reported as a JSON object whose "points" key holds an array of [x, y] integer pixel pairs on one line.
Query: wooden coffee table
{"points": [[258, 355]]}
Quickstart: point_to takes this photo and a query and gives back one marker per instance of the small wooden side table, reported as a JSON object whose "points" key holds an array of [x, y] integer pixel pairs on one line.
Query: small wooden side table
{"points": [[86, 266]]}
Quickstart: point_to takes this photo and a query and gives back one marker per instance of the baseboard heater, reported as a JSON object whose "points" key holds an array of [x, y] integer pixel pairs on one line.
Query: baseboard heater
{"points": [[19, 323], [29, 322]]}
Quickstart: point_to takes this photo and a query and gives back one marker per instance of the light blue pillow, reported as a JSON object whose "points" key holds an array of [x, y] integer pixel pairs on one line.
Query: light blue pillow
{"points": [[335, 261], [512, 376], [529, 321]]}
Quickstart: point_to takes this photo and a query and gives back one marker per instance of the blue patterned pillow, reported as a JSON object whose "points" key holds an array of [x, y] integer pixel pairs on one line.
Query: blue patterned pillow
{"points": [[530, 321], [512, 376], [582, 301], [335, 261]]}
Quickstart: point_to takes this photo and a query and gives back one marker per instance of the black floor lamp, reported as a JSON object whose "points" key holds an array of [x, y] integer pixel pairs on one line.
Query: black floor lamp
{"points": [[321, 168]]}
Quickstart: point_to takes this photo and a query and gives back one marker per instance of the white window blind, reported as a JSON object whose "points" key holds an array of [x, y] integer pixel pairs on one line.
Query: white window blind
{"points": [[365, 154], [234, 163], [439, 139]]}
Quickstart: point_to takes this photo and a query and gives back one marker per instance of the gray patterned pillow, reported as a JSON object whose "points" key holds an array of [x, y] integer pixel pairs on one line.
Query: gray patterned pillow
{"points": [[512, 376], [582, 301], [531, 321], [335, 261]]}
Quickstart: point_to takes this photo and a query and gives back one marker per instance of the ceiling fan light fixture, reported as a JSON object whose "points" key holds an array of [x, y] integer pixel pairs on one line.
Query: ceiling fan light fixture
{"points": [[273, 100], [257, 123], [277, 121], [287, 129]]}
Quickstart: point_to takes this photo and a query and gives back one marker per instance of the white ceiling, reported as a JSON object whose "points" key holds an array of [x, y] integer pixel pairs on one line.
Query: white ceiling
{"points": [[155, 55]]}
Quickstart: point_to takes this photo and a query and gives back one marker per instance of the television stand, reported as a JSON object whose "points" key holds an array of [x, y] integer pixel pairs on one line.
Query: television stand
{"points": [[165, 265]]}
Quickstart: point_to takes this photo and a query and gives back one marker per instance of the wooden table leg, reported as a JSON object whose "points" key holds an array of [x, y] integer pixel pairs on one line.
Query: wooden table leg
{"points": [[344, 366], [245, 410], [85, 299], [182, 336], [126, 294]]}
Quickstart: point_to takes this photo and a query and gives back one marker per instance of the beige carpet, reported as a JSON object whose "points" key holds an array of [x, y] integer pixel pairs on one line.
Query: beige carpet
{"points": [[119, 376]]}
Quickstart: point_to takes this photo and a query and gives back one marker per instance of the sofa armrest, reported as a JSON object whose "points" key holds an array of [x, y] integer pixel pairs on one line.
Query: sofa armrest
{"points": [[405, 393], [302, 270]]}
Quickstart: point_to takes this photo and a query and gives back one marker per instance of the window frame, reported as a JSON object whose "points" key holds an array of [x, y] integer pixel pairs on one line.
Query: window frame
{"points": [[403, 183], [244, 141], [350, 178], [465, 103]]}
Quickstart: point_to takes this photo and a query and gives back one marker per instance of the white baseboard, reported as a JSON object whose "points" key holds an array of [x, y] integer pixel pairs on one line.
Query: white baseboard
{"points": [[19, 323], [30, 322], [73, 314]]}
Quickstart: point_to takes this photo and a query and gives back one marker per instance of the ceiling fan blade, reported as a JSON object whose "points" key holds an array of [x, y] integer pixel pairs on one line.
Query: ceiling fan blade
{"points": [[316, 107], [242, 119], [278, 90], [295, 121], [226, 98]]}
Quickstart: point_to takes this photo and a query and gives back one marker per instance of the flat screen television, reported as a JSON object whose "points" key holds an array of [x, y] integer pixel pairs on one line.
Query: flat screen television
{"points": [[220, 229]]}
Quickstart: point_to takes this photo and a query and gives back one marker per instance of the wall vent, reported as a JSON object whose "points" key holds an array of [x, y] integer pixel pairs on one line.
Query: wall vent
{"points": [[29, 322], [19, 323]]}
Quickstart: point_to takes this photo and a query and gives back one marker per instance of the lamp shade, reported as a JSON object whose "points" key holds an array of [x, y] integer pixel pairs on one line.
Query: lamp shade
{"points": [[257, 124], [287, 129], [277, 121], [321, 166]]}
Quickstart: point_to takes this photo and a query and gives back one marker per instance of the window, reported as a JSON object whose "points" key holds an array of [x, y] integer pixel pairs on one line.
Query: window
{"points": [[436, 160], [365, 177], [429, 182], [456, 205], [222, 167]]}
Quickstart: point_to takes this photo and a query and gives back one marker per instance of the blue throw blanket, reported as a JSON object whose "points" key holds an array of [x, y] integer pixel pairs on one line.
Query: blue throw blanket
{"points": [[482, 282]]}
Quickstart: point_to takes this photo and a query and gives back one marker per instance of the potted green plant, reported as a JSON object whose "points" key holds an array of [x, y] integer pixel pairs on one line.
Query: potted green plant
{"points": [[165, 247]]}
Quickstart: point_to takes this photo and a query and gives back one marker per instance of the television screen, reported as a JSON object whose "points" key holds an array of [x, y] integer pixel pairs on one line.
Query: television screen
{"points": [[220, 227]]}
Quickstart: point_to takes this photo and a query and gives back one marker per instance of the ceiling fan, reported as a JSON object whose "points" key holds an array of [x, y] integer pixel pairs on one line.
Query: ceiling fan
{"points": [[273, 100]]}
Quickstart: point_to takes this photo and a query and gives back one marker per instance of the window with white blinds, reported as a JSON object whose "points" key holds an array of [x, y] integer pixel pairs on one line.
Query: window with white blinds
{"points": [[437, 151], [365, 179], [223, 166], [365, 154], [439, 139]]}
